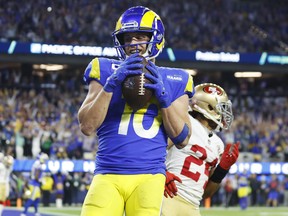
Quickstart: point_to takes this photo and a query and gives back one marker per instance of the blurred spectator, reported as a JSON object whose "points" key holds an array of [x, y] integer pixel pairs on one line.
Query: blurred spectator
{"points": [[20, 186], [230, 187], [47, 188], [47, 138], [255, 189], [68, 184], [275, 150], [256, 149], [273, 193], [28, 137], [285, 203], [59, 179], [243, 190], [228, 191], [75, 188], [262, 197]]}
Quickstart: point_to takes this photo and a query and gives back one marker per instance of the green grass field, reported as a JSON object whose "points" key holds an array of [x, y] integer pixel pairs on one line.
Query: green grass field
{"points": [[251, 211], [215, 211]]}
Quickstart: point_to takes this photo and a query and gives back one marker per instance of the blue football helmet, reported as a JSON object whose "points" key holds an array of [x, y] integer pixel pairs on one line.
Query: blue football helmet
{"points": [[42, 157], [140, 19]]}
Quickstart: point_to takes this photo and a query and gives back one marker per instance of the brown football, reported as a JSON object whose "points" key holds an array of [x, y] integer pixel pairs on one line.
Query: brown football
{"points": [[133, 90]]}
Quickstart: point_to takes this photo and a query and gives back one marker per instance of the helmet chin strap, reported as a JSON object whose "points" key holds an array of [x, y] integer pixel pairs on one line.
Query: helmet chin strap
{"points": [[218, 128], [205, 113]]}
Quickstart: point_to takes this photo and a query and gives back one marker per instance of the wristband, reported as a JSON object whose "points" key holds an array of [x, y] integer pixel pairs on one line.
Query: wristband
{"points": [[182, 136], [218, 175]]}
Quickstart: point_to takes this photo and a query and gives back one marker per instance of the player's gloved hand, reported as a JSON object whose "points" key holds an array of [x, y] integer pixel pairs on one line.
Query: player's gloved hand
{"points": [[157, 85], [229, 156], [131, 66], [170, 186]]}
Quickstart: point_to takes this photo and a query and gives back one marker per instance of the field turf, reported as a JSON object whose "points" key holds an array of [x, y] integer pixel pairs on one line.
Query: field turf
{"points": [[214, 211]]}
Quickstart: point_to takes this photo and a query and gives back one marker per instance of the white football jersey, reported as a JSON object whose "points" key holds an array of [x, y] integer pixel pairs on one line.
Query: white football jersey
{"points": [[5, 172], [194, 162]]}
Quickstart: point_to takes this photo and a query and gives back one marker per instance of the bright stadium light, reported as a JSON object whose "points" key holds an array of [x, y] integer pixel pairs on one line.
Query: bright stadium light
{"points": [[192, 72], [248, 74], [50, 67]]}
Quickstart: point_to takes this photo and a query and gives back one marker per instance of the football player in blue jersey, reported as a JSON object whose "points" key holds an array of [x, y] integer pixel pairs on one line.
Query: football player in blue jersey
{"points": [[33, 193], [130, 162]]}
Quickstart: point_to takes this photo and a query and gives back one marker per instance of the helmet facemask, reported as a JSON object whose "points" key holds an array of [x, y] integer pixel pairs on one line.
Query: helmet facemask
{"points": [[226, 113]]}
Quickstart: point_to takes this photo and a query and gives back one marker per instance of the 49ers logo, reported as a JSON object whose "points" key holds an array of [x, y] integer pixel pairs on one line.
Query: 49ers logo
{"points": [[212, 90]]}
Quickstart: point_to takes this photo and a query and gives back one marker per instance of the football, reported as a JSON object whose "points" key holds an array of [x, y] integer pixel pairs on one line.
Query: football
{"points": [[133, 89]]}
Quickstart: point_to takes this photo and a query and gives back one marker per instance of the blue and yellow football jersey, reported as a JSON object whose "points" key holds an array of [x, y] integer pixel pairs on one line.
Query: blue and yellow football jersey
{"points": [[134, 142], [36, 174]]}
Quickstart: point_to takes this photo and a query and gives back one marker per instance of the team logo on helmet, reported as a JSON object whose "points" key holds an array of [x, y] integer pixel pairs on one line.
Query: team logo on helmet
{"points": [[213, 90]]}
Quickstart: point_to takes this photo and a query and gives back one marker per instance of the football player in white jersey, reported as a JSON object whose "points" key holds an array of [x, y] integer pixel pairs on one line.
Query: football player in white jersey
{"points": [[6, 167], [196, 171]]}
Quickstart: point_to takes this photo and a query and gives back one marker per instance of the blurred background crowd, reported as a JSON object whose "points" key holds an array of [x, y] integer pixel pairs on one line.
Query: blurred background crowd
{"points": [[38, 112], [220, 25], [35, 117]]}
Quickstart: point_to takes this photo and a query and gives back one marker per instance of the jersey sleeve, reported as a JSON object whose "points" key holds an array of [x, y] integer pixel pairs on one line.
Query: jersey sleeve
{"points": [[179, 82], [189, 90], [99, 69]]}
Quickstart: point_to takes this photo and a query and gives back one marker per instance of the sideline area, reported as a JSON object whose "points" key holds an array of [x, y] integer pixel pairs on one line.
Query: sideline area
{"points": [[213, 211], [44, 211]]}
